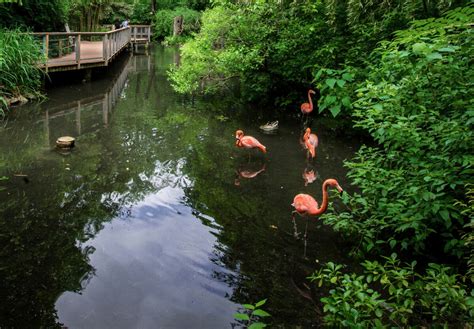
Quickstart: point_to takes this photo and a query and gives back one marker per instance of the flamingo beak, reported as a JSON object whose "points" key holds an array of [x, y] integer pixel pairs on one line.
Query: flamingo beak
{"points": [[339, 189]]}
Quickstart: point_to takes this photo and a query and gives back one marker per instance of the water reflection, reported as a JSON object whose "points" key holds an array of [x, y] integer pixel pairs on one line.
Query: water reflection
{"points": [[248, 171], [309, 175], [141, 225]]}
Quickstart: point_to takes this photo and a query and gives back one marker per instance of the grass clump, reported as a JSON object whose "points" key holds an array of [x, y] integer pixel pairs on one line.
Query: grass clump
{"points": [[20, 74]]}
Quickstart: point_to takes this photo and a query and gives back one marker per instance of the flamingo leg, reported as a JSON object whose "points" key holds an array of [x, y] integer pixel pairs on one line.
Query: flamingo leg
{"points": [[305, 236], [295, 228]]}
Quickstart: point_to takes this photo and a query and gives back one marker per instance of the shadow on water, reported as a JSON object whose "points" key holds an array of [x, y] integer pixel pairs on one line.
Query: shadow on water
{"points": [[156, 219]]}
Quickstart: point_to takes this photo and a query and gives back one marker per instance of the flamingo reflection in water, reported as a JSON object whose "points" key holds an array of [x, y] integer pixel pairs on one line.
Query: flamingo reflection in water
{"points": [[309, 176], [305, 205], [310, 143], [247, 172]]}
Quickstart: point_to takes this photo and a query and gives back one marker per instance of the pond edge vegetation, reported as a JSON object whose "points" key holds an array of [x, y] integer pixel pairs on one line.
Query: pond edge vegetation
{"points": [[403, 75]]}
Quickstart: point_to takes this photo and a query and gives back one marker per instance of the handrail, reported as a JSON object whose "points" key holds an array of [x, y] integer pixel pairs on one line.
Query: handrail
{"points": [[73, 49], [80, 33]]}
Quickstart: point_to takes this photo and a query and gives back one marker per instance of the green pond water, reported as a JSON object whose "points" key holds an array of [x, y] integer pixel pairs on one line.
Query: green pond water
{"points": [[149, 221]]}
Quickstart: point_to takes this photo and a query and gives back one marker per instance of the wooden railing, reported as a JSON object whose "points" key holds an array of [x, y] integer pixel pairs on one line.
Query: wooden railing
{"points": [[141, 33], [66, 49]]}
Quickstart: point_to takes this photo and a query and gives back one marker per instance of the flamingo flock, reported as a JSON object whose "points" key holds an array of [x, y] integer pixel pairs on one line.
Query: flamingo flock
{"points": [[304, 204]]}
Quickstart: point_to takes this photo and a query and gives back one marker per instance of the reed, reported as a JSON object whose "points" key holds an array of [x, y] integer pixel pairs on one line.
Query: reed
{"points": [[20, 75]]}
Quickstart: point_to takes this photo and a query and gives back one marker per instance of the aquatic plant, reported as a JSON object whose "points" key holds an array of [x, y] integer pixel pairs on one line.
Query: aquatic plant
{"points": [[252, 315]]}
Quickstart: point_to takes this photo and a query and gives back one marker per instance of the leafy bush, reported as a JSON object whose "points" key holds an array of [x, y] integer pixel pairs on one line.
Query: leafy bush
{"points": [[416, 104], [19, 59], [163, 21], [274, 47], [37, 15], [405, 297]]}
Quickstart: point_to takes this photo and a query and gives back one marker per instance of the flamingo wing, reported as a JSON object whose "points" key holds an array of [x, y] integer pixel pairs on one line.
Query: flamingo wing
{"points": [[306, 108], [313, 139], [304, 203], [252, 142]]}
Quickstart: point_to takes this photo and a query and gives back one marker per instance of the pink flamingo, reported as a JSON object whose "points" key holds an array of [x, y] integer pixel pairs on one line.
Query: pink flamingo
{"points": [[248, 142], [306, 205], [310, 142], [307, 108]]}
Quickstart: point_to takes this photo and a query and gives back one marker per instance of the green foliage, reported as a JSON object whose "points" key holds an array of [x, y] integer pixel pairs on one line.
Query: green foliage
{"points": [[335, 90], [252, 315], [163, 21], [416, 104], [19, 58], [275, 46], [2, 178], [139, 13], [392, 294], [467, 209], [37, 15], [233, 43], [86, 15]]}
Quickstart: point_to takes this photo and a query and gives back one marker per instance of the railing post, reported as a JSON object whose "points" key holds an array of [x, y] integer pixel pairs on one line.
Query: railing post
{"points": [[78, 51], [60, 46], [104, 48], [149, 33], [45, 48]]}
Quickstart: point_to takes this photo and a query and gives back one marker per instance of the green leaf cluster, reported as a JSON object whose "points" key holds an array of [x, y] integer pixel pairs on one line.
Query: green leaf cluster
{"points": [[163, 21], [252, 314], [415, 103], [334, 86], [391, 294]]}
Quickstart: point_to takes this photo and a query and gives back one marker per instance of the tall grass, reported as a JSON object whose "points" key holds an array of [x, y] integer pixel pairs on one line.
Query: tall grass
{"points": [[19, 72]]}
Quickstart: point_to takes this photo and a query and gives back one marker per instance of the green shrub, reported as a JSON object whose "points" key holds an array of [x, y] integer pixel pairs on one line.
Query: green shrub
{"points": [[19, 59], [391, 294], [416, 103], [163, 21]]}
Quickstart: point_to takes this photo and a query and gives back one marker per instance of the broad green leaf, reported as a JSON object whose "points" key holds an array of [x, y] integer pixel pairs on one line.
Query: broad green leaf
{"points": [[248, 306], [260, 303], [260, 313], [335, 110], [444, 214], [447, 50], [340, 83], [347, 76], [257, 325], [434, 56], [346, 101], [420, 48], [241, 316], [331, 82]]}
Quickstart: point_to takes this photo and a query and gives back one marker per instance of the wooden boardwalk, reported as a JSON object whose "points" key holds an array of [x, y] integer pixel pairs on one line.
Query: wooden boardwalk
{"points": [[65, 51]]}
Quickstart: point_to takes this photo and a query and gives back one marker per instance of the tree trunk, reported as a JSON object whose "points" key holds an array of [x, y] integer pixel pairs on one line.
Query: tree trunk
{"points": [[178, 25]]}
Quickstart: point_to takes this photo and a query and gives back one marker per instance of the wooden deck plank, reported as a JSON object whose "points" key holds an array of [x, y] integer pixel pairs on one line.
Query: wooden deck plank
{"points": [[91, 51]]}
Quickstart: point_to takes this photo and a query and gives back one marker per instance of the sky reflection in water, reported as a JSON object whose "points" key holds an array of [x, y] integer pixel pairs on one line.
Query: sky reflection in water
{"points": [[156, 219]]}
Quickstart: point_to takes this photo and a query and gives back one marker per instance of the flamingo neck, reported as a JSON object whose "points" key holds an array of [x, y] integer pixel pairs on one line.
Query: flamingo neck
{"points": [[324, 204], [310, 100], [306, 136]]}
